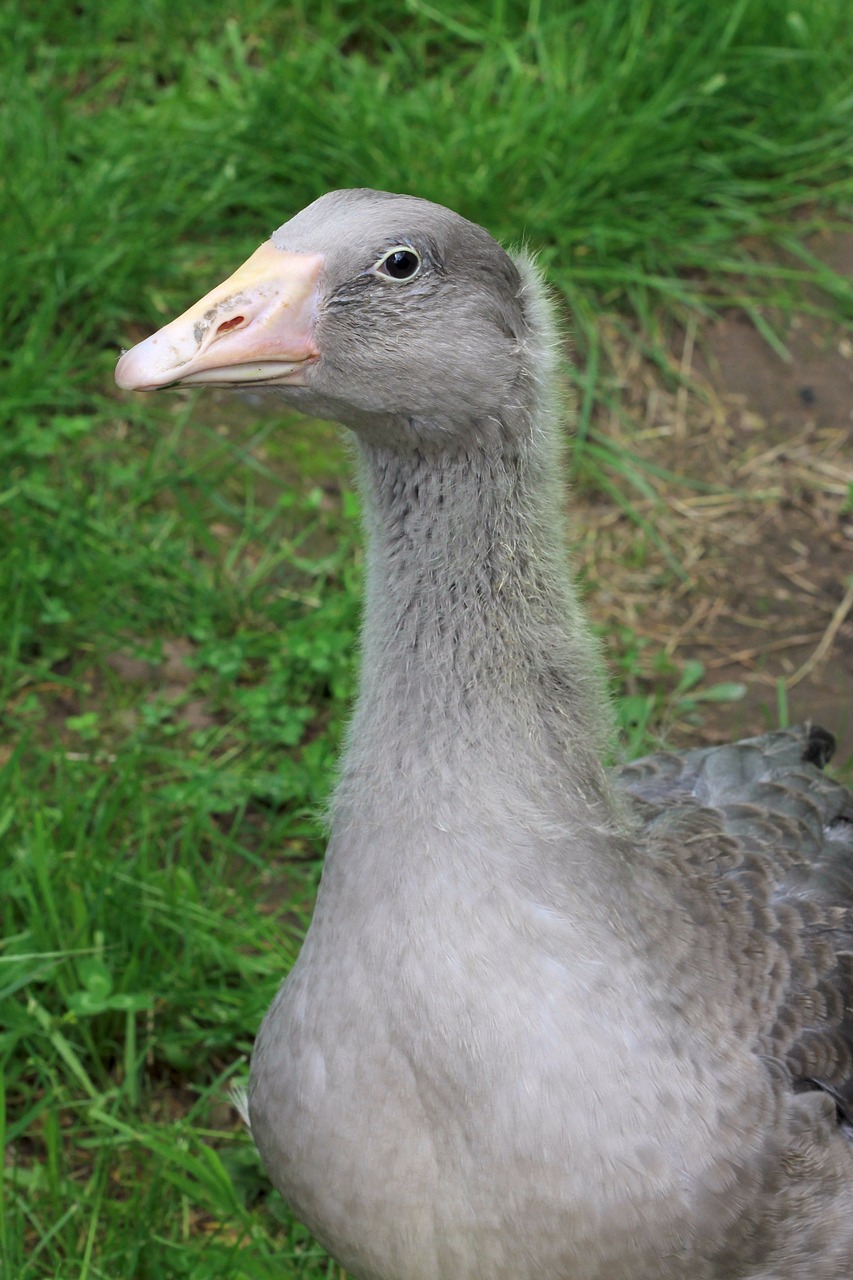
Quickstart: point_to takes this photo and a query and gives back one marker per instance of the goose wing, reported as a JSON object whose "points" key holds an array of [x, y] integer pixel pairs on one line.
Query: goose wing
{"points": [[758, 844]]}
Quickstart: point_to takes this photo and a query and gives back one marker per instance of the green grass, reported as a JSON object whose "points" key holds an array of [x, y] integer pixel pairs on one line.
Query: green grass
{"points": [[180, 577]]}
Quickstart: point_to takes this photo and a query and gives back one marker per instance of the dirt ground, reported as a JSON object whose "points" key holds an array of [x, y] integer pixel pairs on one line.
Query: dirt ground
{"points": [[765, 545]]}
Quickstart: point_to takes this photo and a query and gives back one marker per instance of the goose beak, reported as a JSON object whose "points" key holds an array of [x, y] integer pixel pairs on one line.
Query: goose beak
{"points": [[254, 328]]}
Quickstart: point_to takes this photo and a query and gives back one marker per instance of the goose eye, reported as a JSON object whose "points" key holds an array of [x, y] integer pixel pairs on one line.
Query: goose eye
{"points": [[399, 264]]}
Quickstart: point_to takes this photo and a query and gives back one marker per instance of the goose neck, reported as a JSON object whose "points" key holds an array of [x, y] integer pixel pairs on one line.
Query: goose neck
{"points": [[474, 648]]}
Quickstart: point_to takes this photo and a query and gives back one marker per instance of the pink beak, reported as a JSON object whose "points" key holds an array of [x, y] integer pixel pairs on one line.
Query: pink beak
{"points": [[256, 327]]}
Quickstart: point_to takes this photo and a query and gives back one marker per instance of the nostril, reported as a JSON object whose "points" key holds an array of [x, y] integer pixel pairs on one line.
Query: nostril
{"points": [[234, 323]]}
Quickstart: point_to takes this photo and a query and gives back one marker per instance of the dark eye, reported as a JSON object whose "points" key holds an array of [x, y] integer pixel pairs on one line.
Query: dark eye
{"points": [[399, 263]]}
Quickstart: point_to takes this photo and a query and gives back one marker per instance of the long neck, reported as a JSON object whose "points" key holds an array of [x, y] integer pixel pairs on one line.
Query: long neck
{"points": [[478, 671]]}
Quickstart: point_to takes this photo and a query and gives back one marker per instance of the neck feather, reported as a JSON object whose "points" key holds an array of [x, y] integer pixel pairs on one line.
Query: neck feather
{"points": [[477, 663]]}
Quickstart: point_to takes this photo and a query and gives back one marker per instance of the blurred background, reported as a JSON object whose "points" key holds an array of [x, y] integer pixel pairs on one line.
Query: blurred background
{"points": [[181, 574]]}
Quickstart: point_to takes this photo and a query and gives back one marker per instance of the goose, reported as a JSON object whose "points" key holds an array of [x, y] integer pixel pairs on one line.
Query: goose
{"points": [[551, 1020]]}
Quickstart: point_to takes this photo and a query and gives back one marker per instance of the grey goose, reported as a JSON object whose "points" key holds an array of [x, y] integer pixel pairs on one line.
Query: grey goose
{"points": [[550, 1021]]}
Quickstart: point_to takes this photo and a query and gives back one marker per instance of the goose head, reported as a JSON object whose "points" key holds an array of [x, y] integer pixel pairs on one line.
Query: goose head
{"points": [[387, 313]]}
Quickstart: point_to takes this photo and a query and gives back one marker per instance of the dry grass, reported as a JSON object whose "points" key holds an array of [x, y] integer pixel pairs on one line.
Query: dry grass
{"points": [[763, 542]]}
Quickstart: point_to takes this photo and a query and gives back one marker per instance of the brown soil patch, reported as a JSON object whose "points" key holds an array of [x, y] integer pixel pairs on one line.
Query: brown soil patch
{"points": [[765, 544]]}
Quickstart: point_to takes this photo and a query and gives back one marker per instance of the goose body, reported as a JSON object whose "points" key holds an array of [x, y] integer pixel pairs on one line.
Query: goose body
{"points": [[549, 1022]]}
